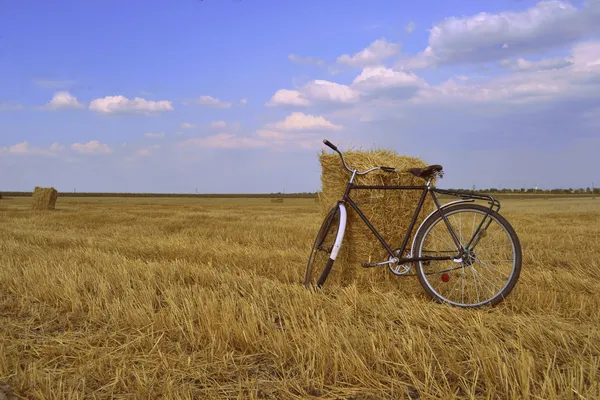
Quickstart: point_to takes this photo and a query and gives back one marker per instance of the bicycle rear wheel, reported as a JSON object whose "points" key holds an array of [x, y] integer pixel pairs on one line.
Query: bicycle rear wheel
{"points": [[489, 269], [320, 261]]}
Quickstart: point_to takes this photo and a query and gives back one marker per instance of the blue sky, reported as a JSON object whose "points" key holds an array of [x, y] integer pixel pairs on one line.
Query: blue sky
{"points": [[237, 95]]}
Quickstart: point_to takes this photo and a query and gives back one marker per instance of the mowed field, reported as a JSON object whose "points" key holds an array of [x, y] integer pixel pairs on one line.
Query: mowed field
{"points": [[201, 298]]}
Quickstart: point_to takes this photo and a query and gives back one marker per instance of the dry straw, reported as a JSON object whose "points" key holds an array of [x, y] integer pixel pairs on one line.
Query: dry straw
{"points": [[390, 211], [277, 200], [44, 198]]}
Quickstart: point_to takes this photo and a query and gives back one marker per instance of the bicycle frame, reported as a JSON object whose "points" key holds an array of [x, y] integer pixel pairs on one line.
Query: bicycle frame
{"points": [[432, 190]]}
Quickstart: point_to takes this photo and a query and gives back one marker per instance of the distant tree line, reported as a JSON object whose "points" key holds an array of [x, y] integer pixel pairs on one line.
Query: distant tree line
{"points": [[587, 190]]}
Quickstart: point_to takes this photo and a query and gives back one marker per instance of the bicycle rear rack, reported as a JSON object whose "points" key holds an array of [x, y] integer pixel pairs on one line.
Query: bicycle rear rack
{"points": [[468, 195]]}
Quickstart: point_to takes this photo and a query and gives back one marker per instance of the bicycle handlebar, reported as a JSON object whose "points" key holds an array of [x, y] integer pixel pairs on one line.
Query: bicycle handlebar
{"points": [[328, 143], [334, 148]]}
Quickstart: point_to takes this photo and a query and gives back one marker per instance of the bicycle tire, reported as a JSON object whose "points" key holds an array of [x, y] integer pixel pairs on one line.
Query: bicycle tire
{"points": [[495, 217]]}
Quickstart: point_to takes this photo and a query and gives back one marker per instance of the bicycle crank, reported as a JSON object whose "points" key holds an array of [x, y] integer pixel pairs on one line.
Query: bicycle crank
{"points": [[373, 265], [400, 269]]}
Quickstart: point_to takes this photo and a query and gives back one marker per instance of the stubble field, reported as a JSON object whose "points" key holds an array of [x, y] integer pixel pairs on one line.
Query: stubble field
{"points": [[201, 298]]}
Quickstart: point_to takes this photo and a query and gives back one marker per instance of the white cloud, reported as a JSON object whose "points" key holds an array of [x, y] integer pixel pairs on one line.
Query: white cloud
{"points": [[425, 59], [305, 60], [188, 125], [212, 102], [243, 101], [533, 81], [123, 105], [516, 89], [410, 27], [218, 124], [25, 148], [488, 37], [147, 151], [374, 54], [521, 64], [298, 121], [154, 135], [286, 97], [586, 55], [63, 100], [297, 130], [376, 79], [315, 92], [224, 141], [91, 147], [326, 91], [20, 148]]}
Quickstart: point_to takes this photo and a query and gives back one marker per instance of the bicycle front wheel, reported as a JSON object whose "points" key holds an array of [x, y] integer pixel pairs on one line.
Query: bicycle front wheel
{"points": [[489, 268], [320, 261]]}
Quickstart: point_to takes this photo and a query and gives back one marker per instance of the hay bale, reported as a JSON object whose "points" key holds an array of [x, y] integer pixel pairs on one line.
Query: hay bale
{"points": [[44, 198], [390, 211], [277, 200]]}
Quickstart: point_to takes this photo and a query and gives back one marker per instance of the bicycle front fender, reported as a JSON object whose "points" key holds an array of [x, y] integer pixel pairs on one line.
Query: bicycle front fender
{"points": [[340, 235]]}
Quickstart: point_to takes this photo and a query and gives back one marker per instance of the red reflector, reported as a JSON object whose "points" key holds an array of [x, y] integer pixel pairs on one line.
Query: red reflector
{"points": [[445, 277]]}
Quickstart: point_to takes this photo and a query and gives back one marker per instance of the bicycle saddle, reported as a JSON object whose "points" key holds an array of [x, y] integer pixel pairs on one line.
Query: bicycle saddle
{"points": [[427, 172]]}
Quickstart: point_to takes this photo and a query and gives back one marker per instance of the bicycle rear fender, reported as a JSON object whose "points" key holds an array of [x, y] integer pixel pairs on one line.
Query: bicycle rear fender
{"points": [[412, 248], [340, 235]]}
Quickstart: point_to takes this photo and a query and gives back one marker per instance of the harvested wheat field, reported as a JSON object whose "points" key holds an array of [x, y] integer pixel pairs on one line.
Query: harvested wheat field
{"points": [[201, 298]]}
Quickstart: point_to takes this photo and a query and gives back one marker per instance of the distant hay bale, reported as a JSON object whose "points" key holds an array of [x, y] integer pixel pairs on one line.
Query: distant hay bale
{"points": [[44, 198], [277, 200], [390, 211]]}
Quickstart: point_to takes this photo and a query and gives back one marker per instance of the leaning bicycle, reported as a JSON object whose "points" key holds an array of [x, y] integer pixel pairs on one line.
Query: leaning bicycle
{"points": [[463, 253]]}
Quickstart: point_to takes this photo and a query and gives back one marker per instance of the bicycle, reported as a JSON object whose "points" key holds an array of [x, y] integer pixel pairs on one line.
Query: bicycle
{"points": [[460, 255]]}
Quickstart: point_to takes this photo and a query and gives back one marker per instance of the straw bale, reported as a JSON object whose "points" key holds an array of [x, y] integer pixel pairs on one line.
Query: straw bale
{"points": [[390, 211], [44, 198]]}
